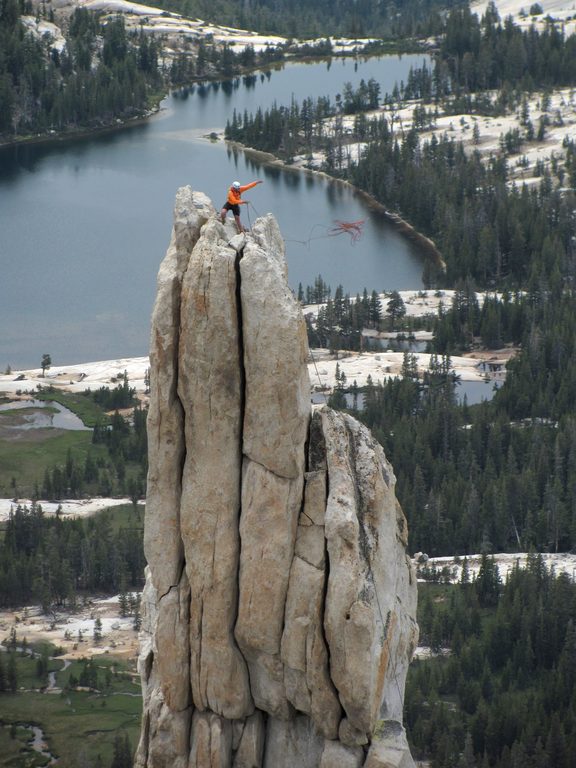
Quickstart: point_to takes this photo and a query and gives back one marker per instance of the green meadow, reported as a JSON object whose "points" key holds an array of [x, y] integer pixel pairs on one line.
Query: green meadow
{"points": [[79, 724]]}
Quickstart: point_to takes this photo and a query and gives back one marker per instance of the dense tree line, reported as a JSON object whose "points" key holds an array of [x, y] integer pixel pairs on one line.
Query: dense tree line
{"points": [[207, 61], [123, 752], [504, 697], [398, 19], [300, 128], [8, 672], [126, 440], [499, 236], [479, 55], [94, 676], [496, 233], [121, 468], [122, 396], [101, 74], [487, 230], [472, 478], [51, 561], [461, 325], [487, 54], [497, 476], [123, 471], [465, 324], [338, 324]]}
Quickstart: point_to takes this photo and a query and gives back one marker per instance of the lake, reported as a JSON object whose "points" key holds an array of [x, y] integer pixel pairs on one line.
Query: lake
{"points": [[85, 222]]}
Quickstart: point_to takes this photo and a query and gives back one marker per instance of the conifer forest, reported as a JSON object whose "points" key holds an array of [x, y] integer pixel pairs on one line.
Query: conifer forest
{"points": [[498, 689]]}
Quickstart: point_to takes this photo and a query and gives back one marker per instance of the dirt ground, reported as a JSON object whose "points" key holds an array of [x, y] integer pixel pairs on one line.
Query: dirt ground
{"points": [[73, 631]]}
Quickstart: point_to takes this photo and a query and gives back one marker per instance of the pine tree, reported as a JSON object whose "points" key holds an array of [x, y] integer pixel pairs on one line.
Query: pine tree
{"points": [[467, 759], [12, 674], [488, 583], [122, 752], [395, 308], [97, 634]]}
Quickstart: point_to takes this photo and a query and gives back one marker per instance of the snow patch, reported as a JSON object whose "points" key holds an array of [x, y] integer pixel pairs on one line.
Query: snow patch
{"points": [[560, 562], [42, 29], [71, 508]]}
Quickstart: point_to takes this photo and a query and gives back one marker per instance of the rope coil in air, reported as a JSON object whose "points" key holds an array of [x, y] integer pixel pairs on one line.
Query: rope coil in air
{"points": [[339, 227]]}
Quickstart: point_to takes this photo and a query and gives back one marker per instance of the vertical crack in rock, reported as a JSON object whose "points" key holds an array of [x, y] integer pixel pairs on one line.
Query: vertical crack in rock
{"points": [[240, 325], [279, 606], [304, 650], [163, 617], [211, 387], [361, 528], [276, 416], [318, 459]]}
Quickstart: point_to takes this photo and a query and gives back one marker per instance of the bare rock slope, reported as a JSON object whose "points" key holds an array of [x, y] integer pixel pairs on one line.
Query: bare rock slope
{"points": [[279, 607]]}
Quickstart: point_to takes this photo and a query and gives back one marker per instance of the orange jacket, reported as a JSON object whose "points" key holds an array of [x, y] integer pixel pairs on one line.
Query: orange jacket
{"points": [[234, 195]]}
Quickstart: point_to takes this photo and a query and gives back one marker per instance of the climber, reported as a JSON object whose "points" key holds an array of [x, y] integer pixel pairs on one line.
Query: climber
{"points": [[234, 201]]}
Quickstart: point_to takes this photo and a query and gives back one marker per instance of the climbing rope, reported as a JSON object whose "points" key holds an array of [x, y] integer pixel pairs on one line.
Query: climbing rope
{"points": [[316, 369], [352, 228]]}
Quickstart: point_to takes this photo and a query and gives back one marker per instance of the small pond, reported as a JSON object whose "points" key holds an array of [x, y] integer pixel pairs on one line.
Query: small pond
{"points": [[394, 345], [474, 392], [38, 414]]}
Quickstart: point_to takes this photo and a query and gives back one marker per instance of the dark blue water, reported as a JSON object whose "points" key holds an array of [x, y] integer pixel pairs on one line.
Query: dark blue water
{"points": [[84, 223]]}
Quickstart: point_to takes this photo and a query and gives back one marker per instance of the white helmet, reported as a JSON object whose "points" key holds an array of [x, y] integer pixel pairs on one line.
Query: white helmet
{"points": [[236, 184]]}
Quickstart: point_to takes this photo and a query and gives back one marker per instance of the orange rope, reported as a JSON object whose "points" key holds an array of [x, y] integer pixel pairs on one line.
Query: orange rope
{"points": [[352, 228]]}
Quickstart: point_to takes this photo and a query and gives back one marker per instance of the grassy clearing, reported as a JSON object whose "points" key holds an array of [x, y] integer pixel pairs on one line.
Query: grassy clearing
{"points": [[14, 748], [27, 677], [82, 405], [114, 675], [16, 415], [78, 725], [126, 516], [24, 461]]}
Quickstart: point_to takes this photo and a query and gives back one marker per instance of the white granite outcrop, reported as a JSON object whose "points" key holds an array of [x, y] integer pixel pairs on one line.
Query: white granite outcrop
{"points": [[279, 608]]}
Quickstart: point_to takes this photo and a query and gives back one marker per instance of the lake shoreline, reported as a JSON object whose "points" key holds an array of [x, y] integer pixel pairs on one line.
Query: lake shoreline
{"points": [[119, 123], [82, 133], [425, 243], [72, 184]]}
